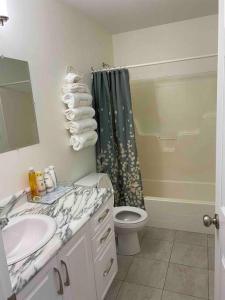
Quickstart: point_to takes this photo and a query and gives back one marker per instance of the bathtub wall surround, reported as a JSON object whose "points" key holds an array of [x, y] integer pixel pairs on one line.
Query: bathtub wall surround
{"points": [[71, 39]]}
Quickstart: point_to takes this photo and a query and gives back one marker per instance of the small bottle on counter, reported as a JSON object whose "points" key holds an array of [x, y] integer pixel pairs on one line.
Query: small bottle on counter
{"points": [[33, 183], [48, 181], [51, 170], [40, 183]]}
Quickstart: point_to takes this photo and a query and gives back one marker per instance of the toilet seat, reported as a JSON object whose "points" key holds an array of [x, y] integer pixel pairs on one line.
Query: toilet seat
{"points": [[137, 215]]}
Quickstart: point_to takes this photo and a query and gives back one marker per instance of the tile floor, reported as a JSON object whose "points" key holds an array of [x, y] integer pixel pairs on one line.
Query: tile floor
{"points": [[172, 265]]}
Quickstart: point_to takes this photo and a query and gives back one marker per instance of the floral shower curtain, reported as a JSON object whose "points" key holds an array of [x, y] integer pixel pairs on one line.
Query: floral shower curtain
{"points": [[116, 147]]}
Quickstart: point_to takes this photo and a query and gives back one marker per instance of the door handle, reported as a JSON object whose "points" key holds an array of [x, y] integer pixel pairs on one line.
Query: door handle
{"points": [[60, 290], [208, 221], [67, 281]]}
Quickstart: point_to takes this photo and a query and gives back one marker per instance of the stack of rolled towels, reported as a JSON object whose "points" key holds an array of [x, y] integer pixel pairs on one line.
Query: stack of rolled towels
{"points": [[79, 113]]}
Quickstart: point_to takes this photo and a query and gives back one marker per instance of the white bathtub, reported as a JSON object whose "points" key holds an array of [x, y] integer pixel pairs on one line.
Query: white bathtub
{"points": [[179, 204]]}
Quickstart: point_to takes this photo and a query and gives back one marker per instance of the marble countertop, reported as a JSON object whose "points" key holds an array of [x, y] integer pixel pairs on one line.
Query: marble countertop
{"points": [[70, 212]]}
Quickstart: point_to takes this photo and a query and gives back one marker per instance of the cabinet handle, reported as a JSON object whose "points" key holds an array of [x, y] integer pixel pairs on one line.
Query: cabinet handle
{"points": [[106, 272], [103, 216], [60, 290], [67, 281], [105, 236]]}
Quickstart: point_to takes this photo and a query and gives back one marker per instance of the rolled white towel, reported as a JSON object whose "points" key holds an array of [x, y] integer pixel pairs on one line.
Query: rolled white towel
{"points": [[76, 100], [72, 78], [80, 141], [80, 113], [81, 126], [75, 88]]}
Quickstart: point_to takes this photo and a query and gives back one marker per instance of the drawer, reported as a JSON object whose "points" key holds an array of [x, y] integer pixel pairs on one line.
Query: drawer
{"points": [[106, 269], [101, 217], [102, 238]]}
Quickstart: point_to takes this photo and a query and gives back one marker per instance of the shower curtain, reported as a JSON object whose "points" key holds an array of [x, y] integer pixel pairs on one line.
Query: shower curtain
{"points": [[116, 148]]}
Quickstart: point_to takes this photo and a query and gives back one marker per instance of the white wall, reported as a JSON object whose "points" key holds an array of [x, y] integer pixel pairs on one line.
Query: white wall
{"points": [[170, 41], [50, 35]]}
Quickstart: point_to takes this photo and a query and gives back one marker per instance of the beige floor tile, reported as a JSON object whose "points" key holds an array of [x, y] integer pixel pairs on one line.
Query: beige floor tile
{"points": [[147, 272], [160, 233], [192, 238], [155, 249], [114, 290], [187, 280], [174, 296], [130, 291], [189, 255], [124, 263], [211, 285]]}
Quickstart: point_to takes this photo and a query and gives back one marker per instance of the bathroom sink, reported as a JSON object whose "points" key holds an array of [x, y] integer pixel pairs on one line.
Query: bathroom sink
{"points": [[26, 234]]}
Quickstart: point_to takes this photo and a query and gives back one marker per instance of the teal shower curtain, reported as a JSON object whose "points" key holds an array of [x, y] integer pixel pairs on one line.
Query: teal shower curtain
{"points": [[116, 148]]}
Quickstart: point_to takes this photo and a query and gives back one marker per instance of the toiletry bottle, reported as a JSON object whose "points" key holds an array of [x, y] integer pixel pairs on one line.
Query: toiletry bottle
{"points": [[40, 183], [51, 170], [48, 181], [33, 183]]}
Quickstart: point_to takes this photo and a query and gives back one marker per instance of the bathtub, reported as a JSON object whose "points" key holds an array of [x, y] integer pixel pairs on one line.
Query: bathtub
{"points": [[180, 213]]}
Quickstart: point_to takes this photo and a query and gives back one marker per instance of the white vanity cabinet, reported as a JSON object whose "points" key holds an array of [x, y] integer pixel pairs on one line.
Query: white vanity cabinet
{"points": [[45, 285], [76, 267], [84, 268]]}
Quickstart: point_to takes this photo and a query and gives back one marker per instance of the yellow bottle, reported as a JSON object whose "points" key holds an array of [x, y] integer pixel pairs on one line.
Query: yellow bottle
{"points": [[33, 183]]}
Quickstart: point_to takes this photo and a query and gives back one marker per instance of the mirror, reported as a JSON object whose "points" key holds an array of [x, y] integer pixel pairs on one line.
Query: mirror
{"points": [[18, 126]]}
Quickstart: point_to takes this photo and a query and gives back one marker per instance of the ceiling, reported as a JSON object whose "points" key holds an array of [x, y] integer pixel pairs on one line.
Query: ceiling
{"points": [[125, 15]]}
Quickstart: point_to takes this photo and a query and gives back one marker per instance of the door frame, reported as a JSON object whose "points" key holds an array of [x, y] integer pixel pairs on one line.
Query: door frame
{"points": [[220, 142]]}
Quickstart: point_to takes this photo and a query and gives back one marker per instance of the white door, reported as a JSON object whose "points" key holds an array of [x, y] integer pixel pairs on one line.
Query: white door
{"points": [[76, 267], [220, 163]]}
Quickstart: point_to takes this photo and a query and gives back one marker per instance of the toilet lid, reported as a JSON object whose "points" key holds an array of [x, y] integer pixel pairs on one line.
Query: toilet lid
{"points": [[129, 214]]}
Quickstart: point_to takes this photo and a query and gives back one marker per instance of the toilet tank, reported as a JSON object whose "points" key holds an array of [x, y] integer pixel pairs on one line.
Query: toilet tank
{"points": [[99, 180]]}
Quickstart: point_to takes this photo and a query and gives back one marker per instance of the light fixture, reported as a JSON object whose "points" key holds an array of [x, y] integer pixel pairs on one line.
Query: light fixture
{"points": [[3, 12]]}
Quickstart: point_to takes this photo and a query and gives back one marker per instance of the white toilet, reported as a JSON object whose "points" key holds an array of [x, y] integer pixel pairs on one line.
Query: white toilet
{"points": [[128, 220]]}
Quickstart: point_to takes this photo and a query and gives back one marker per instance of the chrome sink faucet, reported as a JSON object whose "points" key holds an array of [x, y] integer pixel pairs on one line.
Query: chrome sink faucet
{"points": [[3, 222], [4, 211]]}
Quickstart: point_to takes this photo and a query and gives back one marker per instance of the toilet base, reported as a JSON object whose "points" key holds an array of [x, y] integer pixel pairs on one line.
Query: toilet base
{"points": [[128, 244]]}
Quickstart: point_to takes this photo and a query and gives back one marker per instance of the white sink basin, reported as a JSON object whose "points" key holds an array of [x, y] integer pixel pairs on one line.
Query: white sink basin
{"points": [[26, 234]]}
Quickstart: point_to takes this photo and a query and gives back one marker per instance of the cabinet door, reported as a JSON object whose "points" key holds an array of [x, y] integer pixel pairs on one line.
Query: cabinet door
{"points": [[46, 285], [76, 266]]}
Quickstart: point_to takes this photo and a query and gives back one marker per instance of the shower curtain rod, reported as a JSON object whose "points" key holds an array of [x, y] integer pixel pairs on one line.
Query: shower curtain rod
{"points": [[156, 63]]}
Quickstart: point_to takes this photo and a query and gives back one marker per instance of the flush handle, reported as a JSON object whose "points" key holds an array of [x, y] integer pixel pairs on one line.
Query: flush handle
{"points": [[208, 221]]}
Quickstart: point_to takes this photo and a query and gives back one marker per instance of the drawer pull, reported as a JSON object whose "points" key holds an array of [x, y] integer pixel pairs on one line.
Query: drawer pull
{"points": [[60, 290], [105, 236], [67, 281], [106, 272], [103, 216]]}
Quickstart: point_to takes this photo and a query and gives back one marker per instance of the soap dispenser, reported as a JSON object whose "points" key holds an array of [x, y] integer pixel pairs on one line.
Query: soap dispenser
{"points": [[48, 181], [40, 183], [33, 183], [52, 173]]}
